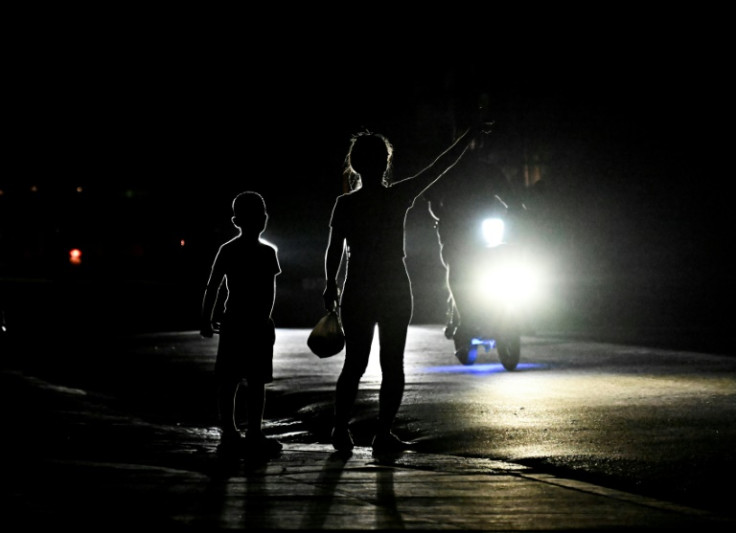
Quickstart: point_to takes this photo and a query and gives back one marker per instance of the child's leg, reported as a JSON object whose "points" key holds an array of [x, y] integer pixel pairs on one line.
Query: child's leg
{"points": [[255, 439], [256, 404], [226, 392]]}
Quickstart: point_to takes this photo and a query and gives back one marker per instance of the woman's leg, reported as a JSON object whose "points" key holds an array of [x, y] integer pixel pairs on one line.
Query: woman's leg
{"points": [[392, 332], [358, 341]]}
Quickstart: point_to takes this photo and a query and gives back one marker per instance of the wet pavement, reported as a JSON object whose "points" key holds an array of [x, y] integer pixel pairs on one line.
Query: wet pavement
{"points": [[89, 465]]}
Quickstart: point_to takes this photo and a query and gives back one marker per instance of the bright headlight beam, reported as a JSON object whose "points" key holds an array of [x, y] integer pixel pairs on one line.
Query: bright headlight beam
{"points": [[492, 229], [512, 284]]}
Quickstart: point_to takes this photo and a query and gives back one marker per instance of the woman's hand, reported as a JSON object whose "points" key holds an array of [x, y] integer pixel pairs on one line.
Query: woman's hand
{"points": [[206, 330], [331, 295], [480, 128]]}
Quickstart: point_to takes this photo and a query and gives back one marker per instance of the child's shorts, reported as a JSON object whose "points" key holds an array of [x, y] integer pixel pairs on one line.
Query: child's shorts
{"points": [[245, 350]]}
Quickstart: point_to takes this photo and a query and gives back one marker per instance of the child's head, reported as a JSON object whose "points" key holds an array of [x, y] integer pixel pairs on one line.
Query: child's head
{"points": [[249, 212]]}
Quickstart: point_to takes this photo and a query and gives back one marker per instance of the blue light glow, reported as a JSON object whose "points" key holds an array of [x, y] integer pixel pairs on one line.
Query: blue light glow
{"points": [[490, 343], [489, 368]]}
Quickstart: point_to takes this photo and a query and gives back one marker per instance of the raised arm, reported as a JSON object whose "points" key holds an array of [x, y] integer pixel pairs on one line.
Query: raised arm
{"points": [[426, 177]]}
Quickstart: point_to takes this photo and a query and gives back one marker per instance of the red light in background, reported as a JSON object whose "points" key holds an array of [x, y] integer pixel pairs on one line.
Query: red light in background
{"points": [[75, 256], [181, 242]]}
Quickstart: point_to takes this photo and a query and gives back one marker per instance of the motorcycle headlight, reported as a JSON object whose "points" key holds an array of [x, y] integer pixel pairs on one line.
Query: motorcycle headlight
{"points": [[516, 284], [492, 229]]}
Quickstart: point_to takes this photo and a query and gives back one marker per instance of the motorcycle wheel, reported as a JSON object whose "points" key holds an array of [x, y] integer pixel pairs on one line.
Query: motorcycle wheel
{"points": [[509, 352]]}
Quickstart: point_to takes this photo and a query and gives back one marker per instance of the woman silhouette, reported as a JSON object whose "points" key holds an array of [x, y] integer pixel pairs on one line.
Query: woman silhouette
{"points": [[367, 227]]}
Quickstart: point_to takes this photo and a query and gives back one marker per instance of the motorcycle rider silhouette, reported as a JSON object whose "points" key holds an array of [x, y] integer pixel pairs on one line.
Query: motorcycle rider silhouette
{"points": [[478, 190]]}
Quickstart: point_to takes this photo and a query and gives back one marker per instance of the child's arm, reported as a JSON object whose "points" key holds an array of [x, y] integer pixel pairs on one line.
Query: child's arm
{"points": [[210, 297]]}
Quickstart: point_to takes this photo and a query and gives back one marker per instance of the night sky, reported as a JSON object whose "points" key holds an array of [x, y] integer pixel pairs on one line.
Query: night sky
{"points": [[630, 119]]}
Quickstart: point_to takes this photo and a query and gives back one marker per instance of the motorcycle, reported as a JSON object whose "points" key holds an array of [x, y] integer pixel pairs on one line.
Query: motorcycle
{"points": [[491, 279]]}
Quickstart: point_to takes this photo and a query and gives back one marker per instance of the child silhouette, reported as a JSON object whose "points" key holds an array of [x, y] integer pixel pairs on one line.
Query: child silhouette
{"points": [[246, 268]]}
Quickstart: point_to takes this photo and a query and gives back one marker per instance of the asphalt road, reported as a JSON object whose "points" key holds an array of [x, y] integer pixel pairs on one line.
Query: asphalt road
{"points": [[645, 420]]}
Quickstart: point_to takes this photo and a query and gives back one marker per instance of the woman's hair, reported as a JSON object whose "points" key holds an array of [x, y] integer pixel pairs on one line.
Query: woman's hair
{"points": [[369, 153]]}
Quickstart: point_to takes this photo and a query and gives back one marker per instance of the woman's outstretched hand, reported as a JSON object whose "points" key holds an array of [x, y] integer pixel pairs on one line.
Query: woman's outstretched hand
{"points": [[480, 128]]}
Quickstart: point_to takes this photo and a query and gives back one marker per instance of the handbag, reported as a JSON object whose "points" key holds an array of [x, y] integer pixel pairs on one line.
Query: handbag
{"points": [[327, 337]]}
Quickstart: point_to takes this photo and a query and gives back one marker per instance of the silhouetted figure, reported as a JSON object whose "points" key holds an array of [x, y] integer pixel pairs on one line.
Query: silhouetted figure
{"points": [[246, 267], [368, 224], [477, 188]]}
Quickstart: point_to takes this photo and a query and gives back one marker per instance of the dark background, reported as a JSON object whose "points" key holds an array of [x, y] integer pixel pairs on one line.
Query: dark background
{"points": [[129, 136]]}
